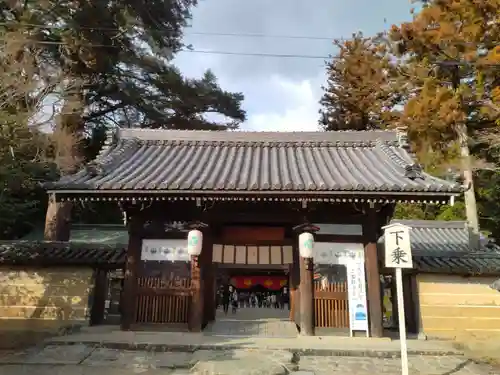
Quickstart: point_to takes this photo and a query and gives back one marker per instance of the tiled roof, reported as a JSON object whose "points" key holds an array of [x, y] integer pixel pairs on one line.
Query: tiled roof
{"points": [[443, 247], [464, 264], [100, 234], [436, 236], [61, 253], [178, 161]]}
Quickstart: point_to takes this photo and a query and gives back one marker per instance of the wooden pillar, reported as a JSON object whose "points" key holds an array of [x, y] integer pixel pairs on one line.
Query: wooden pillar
{"points": [[196, 307], [394, 302], [416, 305], [374, 292], [99, 297], [411, 319], [306, 297], [135, 225], [294, 286], [208, 278], [409, 281], [213, 310]]}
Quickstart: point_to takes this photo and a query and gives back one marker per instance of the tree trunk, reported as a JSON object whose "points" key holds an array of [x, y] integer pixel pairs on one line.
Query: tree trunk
{"points": [[67, 136], [469, 195], [57, 221]]}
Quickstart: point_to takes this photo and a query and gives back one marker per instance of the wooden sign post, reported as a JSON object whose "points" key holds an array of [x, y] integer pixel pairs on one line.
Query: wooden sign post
{"points": [[398, 255]]}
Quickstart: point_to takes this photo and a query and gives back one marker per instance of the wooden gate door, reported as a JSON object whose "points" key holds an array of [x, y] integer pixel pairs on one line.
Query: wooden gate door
{"points": [[163, 301], [331, 307]]}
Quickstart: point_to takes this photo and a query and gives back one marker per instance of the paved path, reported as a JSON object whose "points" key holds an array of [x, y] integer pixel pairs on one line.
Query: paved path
{"points": [[85, 360], [257, 322]]}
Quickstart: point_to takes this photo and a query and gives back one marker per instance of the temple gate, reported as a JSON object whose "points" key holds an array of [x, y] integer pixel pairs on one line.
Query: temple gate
{"points": [[221, 179]]}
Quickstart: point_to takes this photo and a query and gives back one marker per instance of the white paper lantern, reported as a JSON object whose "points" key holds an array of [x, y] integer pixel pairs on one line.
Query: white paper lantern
{"points": [[306, 245], [195, 242]]}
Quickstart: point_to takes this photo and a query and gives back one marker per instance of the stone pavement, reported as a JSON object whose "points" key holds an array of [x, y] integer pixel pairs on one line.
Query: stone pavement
{"points": [[242, 344], [258, 322], [85, 360], [112, 337]]}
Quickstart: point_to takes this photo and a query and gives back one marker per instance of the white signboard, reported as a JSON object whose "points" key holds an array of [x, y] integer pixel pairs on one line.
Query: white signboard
{"points": [[352, 255], [397, 246], [164, 250], [337, 253], [356, 286]]}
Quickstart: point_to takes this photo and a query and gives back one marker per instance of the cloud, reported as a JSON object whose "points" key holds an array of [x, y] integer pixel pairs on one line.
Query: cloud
{"points": [[273, 102], [299, 105]]}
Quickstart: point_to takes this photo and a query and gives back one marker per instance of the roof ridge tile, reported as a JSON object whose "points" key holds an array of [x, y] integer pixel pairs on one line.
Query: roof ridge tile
{"points": [[348, 136]]}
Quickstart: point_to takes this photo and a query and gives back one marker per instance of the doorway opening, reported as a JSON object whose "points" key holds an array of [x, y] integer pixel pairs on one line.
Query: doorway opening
{"points": [[253, 302]]}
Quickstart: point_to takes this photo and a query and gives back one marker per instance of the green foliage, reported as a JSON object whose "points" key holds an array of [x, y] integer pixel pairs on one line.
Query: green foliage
{"points": [[22, 169], [455, 212], [430, 212], [488, 195]]}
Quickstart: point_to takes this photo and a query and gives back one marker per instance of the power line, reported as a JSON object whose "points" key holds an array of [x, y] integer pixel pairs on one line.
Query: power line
{"points": [[277, 55], [201, 33], [228, 53]]}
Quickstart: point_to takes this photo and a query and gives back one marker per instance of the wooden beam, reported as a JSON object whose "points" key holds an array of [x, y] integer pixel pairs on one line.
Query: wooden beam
{"points": [[342, 238], [276, 213], [374, 293], [259, 267]]}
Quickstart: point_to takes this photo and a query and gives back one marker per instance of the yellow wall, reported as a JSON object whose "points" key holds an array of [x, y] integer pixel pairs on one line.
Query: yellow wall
{"points": [[454, 306], [44, 298]]}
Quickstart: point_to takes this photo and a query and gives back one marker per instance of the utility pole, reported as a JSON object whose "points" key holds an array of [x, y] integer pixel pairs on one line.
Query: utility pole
{"points": [[463, 139]]}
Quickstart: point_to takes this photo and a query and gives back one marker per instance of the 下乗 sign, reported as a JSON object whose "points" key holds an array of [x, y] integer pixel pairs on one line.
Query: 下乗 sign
{"points": [[397, 246]]}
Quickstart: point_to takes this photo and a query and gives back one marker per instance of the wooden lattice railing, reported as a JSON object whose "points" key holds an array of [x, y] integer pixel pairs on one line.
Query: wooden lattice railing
{"points": [[163, 301], [331, 307]]}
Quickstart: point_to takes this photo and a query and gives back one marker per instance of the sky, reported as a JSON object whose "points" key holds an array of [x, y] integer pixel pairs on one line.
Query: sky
{"points": [[281, 94]]}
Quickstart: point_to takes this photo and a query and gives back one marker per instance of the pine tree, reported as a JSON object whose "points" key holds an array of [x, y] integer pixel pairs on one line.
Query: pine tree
{"points": [[115, 58], [363, 87]]}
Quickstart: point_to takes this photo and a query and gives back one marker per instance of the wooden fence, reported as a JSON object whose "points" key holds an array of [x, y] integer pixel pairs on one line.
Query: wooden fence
{"points": [[331, 307], [163, 301]]}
